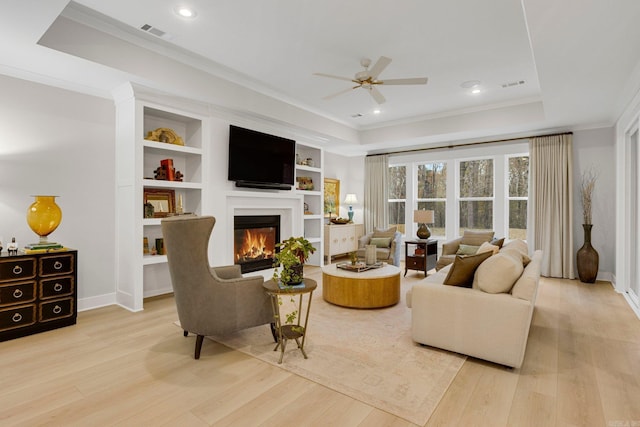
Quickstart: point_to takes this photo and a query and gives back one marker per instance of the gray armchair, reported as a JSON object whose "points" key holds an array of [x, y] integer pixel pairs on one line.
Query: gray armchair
{"points": [[210, 301]]}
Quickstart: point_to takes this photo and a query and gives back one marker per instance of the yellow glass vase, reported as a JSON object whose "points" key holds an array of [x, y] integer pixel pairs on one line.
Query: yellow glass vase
{"points": [[44, 216]]}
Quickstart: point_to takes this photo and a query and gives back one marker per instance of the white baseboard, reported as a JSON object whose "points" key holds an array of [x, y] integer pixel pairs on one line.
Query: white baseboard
{"points": [[96, 302]]}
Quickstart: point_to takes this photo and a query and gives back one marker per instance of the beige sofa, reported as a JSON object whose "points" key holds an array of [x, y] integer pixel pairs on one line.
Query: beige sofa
{"points": [[489, 326]]}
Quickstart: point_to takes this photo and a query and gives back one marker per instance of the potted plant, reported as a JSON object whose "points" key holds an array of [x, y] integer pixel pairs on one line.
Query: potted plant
{"points": [[293, 253]]}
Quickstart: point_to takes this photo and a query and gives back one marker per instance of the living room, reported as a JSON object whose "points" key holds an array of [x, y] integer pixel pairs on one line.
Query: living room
{"points": [[59, 134]]}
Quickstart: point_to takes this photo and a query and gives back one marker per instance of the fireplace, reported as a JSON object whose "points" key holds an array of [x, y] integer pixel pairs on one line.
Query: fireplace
{"points": [[254, 241]]}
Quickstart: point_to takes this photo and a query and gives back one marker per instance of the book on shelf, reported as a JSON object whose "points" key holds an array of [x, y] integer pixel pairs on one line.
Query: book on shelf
{"points": [[50, 245], [44, 251]]}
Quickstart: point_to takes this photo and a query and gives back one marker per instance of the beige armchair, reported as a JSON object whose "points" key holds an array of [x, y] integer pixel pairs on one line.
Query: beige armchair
{"points": [[470, 237], [210, 301], [387, 253]]}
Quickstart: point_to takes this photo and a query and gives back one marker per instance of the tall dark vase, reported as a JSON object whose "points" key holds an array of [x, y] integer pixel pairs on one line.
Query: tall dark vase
{"points": [[587, 258]]}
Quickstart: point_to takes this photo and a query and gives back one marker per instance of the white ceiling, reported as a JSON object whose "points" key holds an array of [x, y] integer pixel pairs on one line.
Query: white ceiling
{"points": [[579, 59]]}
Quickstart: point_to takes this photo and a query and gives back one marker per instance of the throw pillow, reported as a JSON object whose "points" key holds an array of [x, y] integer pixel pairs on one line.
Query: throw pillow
{"points": [[381, 242], [488, 247], [519, 245], [516, 254], [463, 268], [467, 250], [498, 274], [498, 242]]}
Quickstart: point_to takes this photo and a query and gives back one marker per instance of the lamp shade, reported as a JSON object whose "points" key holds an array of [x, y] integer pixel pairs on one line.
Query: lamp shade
{"points": [[350, 199], [423, 217]]}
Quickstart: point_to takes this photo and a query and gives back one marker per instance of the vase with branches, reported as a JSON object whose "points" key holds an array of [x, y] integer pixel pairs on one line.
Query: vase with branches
{"points": [[587, 257]]}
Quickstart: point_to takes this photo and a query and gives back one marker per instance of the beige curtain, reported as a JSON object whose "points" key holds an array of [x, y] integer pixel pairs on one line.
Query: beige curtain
{"points": [[376, 170], [550, 203]]}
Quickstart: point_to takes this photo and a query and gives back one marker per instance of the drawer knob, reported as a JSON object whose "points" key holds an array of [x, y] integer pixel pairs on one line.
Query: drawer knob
{"points": [[17, 317], [57, 309], [57, 265], [57, 287], [17, 269], [17, 294]]}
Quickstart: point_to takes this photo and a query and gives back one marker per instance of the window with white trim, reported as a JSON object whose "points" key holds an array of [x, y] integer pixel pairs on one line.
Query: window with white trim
{"points": [[517, 196], [432, 194], [397, 182], [475, 194]]}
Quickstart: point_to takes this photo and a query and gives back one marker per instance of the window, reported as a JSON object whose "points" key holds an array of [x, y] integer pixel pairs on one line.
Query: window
{"points": [[397, 182], [432, 194], [475, 196], [518, 196]]}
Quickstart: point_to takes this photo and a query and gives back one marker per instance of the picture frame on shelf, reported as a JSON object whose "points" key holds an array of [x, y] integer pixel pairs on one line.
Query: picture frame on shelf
{"points": [[162, 200], [331, 196]]}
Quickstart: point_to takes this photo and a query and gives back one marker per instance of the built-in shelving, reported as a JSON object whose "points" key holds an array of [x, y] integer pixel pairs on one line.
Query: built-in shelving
{"points": [[313, 199], [142, 275]]}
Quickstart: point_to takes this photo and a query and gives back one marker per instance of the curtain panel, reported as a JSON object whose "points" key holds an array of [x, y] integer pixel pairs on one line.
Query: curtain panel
{"points": [[376, 192], [551, 207]]}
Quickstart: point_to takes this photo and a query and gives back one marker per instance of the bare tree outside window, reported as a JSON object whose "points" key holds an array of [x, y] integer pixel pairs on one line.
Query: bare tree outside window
{"points": [[476, 195], [518, 196], [397, 181], [432, 194]]}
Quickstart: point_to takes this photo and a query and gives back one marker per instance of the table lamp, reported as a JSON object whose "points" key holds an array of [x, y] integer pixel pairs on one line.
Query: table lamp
{"points": [[423, 218], [350, 200]]}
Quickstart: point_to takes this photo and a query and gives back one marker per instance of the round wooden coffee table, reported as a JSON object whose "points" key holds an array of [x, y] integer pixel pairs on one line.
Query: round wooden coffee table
{"points": [[373, 288]]}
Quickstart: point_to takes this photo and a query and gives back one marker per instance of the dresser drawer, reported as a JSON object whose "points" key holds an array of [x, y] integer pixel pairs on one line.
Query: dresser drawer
{"points": [[56, 309], [17, 317], [17, 268], [17, 293], [56, 287], [56, 264]]}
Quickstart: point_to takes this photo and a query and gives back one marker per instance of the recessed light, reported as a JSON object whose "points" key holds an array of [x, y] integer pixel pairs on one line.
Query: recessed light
{"points": [[376, 111], [469, 84], [475, 91], [185, 12]]}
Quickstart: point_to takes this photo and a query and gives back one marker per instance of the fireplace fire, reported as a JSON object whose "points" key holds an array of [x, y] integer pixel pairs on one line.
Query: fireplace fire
{"points": [[255, 239]]}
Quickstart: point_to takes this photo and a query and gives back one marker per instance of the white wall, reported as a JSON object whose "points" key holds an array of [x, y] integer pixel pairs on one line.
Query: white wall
{"points": [[350, 172], [596, 148], [58, 142]]}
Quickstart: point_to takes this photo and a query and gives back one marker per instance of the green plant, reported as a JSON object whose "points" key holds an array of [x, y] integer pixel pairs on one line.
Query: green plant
{"points": [[294, 251], [292, 255]]}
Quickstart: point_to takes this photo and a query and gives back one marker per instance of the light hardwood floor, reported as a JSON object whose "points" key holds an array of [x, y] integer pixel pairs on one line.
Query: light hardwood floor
{"points": [[582, 368]]}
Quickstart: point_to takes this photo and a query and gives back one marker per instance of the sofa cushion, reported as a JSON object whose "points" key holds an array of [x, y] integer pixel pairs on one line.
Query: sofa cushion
{"points": [[463, 268], [467, 250], [498, 273], [476, 238], [381, 242], [525, 287], [488, 247]]}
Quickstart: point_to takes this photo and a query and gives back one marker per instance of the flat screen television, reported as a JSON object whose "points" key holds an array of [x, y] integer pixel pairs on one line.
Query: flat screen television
{"points": [[260, 160]]}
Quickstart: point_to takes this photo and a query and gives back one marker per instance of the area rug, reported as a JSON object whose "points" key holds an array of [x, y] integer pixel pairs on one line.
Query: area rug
{"points": [[366, 354]]}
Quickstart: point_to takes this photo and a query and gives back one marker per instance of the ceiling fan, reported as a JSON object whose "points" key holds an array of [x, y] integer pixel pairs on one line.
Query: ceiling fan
{"points": [[368, 79]]}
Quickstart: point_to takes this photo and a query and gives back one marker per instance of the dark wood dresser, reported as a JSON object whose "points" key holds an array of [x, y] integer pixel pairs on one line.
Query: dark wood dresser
{"points": [[37, 293]]}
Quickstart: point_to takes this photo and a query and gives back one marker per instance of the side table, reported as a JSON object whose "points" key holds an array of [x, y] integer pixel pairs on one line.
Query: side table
{"points": [[420, 254], [290, 332]]}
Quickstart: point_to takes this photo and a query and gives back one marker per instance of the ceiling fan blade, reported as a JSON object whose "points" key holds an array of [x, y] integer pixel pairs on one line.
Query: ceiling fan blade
{"points": [[379, 66], [376, 95], [331, 76], [341, 92], [413, 81]]}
